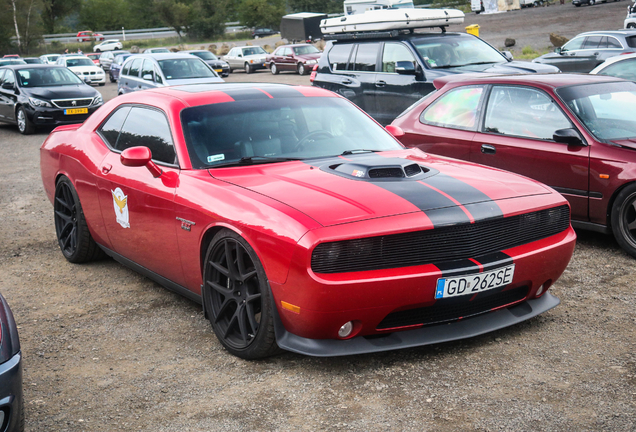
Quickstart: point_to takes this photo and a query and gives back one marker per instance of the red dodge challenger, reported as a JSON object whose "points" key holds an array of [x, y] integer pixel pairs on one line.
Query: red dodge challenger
{"points": [[300, 223]]}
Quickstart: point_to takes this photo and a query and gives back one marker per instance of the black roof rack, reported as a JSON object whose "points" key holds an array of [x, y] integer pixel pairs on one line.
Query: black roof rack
{"points": [[373, 34]]}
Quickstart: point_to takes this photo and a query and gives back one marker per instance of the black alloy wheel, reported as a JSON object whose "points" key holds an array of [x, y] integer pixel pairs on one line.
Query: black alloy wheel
{"points": [[73, 236], [237, 297], [624, 219]]}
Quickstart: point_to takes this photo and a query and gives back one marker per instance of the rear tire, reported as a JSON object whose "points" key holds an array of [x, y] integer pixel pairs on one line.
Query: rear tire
{"points": [[237, 297], [71, 229]]}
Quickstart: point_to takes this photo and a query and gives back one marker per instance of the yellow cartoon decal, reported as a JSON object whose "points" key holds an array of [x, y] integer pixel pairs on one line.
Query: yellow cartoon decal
{"points": [[120, 202]]}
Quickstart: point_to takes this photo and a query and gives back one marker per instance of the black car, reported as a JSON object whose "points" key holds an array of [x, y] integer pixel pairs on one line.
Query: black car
{"points": [[587, 50], [219, 66], [44, 95], [386, 72], [260, 32], [115, 67], [11, 398]]}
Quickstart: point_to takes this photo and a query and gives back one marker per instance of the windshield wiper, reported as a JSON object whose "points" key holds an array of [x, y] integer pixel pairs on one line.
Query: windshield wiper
{"points": [[350, 152], [252, 160]]}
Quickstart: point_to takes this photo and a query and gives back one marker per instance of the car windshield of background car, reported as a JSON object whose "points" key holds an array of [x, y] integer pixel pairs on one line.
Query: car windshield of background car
{"points": [[253, 51], [43, 77], [606, 109], [185, 69], [72, 62], [205, 55], [445, 52], [295, 128], [307, 49]]}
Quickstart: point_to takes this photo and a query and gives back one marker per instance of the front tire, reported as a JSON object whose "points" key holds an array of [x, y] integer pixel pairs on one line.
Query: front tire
{"points": [[98, 50], [73, 236], [624, 219], [301, 69], [25, 126], [274, 69], [237, 297], [248, 68]]}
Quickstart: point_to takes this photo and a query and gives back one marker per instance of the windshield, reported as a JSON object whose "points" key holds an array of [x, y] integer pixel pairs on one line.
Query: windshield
{"points": [[307, 49], [121, 58], [456, 50], [79, 61], [253, 51], [294, 128], [46, 77], [185, 69], [605, 109], [205, 55]]}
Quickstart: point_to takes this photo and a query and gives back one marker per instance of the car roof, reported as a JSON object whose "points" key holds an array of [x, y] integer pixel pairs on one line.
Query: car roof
{"points": [[383, 36], [31, 66], [623, 32], [554, 80]]}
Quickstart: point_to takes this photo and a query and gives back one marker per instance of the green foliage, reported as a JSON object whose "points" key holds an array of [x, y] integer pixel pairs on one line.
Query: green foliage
{"points": [[319, 6], [261, 13], [529, 53], [528, 50], [175, 14], [100, 15], [55, 10]]}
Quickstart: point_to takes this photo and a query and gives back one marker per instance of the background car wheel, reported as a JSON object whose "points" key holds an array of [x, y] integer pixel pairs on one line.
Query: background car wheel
{"points": [[274, 69], [237, 297], [631, 25], [113, 80], [301, 69], [25, 126], [73, 236], [248, 68], [623, 219], [98, 50], [592, 2], [102, 84]]}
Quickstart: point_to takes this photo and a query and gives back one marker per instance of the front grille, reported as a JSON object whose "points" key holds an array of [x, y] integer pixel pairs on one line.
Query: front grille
{"points": [[68, 103], [386, 172], [440, 244], [445, 310]]}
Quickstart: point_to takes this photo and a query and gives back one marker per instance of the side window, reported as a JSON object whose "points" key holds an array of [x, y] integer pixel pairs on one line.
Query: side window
{"points": [[126, 69], [339, 56], [110, 129], [148, 69], [1, 75], [366, 57], [134, 67], [158, 77], [592, 42], [9, 78], [456, 109], [574, 44], [625, 69], [149, 128], [613, 43], [393, 53], [523, 112]]}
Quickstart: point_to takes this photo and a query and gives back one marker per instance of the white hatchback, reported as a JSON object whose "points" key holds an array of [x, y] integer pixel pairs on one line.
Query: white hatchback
{"points": [[108, 45], [84, 68]]}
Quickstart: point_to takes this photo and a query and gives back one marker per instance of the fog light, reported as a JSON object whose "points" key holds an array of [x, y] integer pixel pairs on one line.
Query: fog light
{"points": [[539, 291], [345, 330]]}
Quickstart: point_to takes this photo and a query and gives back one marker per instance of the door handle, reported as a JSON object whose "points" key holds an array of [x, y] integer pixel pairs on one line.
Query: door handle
{"points": [[106, 168], [380, 83], [488, 149], [347, 81]]}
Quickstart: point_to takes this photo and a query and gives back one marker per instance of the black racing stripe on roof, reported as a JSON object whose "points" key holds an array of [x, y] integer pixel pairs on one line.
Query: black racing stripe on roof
{"points": [[245, 94], [282, 92]]}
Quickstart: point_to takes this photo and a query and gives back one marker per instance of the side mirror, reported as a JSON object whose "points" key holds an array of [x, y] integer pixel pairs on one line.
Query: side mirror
{"points": [[138, 157], [569, 136], [508, 55], [396, 131], [147, 77], [240, 55], [405, 68], [8, 86], [558, 50]]}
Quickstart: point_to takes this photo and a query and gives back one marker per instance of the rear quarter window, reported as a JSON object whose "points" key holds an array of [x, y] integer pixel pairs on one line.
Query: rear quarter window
{"points": [[631, 41], [339, 56]]}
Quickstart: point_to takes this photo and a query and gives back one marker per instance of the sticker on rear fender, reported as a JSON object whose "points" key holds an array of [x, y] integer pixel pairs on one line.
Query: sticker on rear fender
{"points": [[474, 283]]}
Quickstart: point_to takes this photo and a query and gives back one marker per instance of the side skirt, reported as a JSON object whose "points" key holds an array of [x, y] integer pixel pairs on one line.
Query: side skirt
{"points": [[590, 226], [166, 283]]}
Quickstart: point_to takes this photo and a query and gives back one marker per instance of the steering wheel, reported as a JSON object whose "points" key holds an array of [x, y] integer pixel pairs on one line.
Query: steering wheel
{"points": [[311, 135]]}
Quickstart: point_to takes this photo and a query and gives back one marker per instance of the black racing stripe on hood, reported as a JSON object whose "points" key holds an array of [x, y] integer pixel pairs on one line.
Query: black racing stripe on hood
{"points": [[465, 193]]}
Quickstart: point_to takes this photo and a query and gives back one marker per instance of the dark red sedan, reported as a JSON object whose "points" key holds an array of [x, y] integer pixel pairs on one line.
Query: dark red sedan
{"points": [[575, 133], [300, 58], [300, 223]]}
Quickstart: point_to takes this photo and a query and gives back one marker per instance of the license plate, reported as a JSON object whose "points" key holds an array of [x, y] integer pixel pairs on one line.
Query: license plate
{"points": [[474, 283], [218, 70], [71, 111]]}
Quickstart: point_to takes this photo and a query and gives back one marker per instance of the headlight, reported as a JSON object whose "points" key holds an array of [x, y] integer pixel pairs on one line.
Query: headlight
{"points": [[311, 62], [39, 103], [98, 100]]}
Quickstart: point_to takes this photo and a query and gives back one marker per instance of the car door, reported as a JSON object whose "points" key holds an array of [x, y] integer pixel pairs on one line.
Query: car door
{"points": [[608, 47], [233, 60], [398, 83], [287, 61], [516, 135], [137, 208], [580, 58], [8, 95], [566, 58], [456, 111]]}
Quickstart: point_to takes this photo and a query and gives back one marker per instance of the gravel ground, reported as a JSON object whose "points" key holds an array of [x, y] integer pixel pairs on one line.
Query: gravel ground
{"points": [[108, 350]]}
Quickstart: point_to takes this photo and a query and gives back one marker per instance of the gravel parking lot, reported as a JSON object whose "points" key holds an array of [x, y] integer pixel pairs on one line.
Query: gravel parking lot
{"points": [[106, 349]]}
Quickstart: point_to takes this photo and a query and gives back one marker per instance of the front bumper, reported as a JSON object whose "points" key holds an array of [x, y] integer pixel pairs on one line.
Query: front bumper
{"points": [[11, 397], [56, 116]]}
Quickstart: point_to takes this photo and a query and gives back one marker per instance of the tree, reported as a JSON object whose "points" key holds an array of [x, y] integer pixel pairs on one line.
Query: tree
{"points": [[26, 23], [54, 10], [319, 6], [100, 15], [210, 18], [176, 14], [261, 13]]}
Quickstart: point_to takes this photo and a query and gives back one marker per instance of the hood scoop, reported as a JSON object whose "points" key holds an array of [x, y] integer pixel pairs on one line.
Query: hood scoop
{"points": [[381, 169]]}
